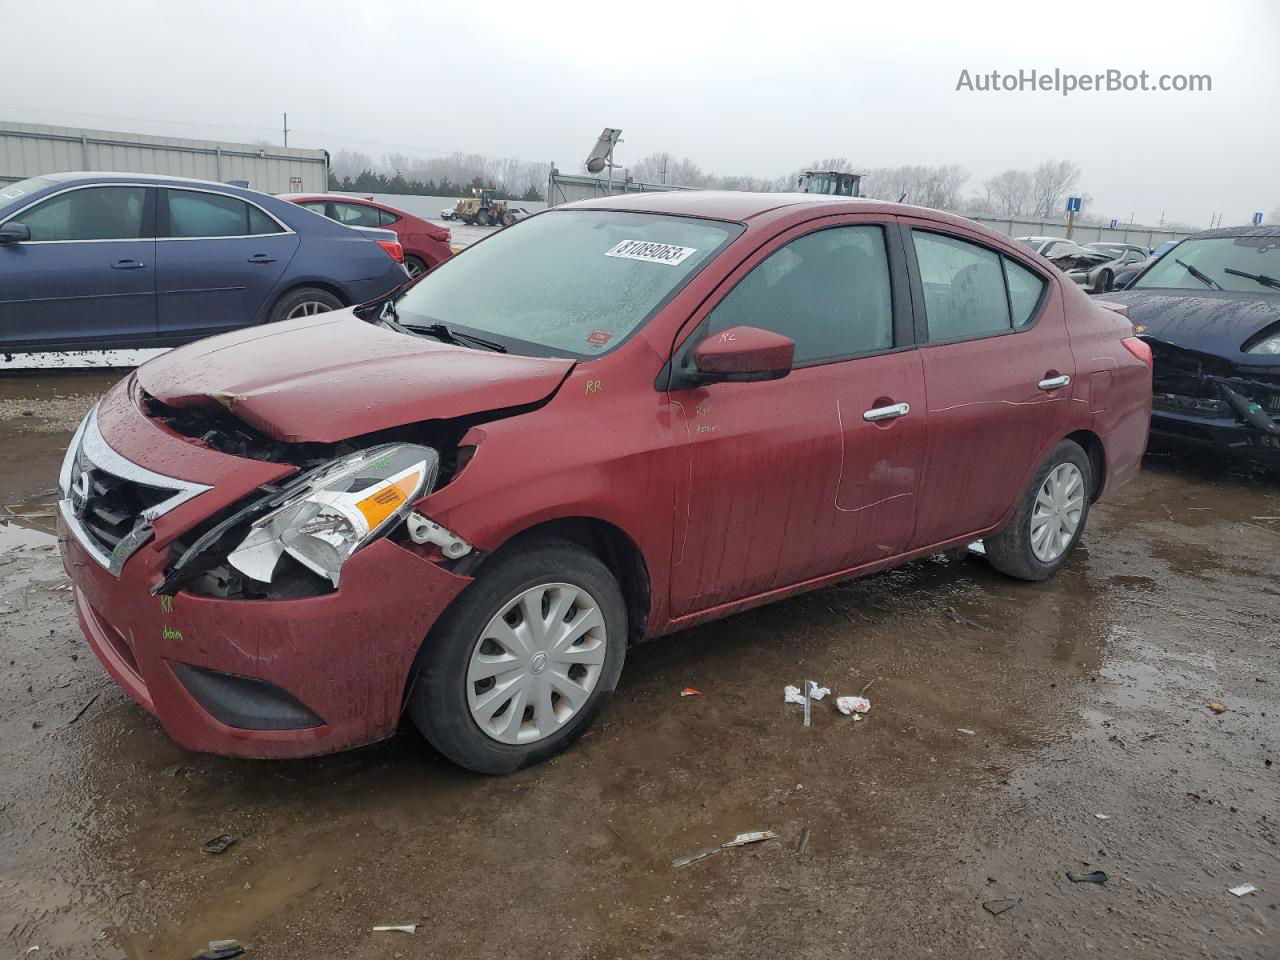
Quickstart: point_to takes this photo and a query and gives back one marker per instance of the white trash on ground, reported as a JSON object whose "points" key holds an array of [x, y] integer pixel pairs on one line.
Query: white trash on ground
{"points": [[851, 705], [792, 694]]}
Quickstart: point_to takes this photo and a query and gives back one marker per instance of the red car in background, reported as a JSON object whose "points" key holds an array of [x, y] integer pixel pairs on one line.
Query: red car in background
{"points": [[425, 244], [665, 408]]}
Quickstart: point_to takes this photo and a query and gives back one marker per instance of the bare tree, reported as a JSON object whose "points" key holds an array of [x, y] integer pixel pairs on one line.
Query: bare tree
{"points": [[1275, 216], [1050, 182], [1008, 193]]}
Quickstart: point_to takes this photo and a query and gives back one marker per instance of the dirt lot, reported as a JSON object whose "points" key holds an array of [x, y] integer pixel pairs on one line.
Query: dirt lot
{"points": [[1086, 697]]}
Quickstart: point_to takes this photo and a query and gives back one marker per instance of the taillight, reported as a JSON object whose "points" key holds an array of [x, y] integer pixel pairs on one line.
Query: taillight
{"points": [[394, 250], [1140, 349]]}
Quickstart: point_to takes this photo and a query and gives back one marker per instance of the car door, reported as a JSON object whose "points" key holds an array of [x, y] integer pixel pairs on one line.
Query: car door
{"points": [[219, 257], [86, 277], [791, 479], [997, 370]]}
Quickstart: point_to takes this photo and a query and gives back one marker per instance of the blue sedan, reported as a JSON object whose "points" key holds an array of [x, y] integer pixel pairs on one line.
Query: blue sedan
{"points": [[109, 262]]}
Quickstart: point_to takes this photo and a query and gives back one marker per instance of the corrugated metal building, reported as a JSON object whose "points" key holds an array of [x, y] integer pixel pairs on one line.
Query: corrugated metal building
{"points": [[30, 149]]}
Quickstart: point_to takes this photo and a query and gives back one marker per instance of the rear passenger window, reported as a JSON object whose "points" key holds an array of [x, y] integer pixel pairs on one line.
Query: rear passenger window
{"points": [[963, 284], [355, 214], [197, 214], [386, 218], [828, 291], [1025, 290]]}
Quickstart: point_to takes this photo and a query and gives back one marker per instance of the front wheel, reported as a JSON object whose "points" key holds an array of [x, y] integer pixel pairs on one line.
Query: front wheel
{"points": [[482, 218], [1050, 518], [518, 667]]}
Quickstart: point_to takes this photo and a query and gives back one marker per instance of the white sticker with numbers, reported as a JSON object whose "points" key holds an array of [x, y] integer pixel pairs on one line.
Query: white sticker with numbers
{"points": [[666, 253]]}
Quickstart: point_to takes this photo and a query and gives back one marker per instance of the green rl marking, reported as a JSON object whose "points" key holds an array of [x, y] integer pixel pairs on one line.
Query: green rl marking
{"points": [[172, 634]]}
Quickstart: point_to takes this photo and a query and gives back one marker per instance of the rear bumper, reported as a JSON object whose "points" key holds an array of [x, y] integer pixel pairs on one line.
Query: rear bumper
{"points": [[265, 678]]}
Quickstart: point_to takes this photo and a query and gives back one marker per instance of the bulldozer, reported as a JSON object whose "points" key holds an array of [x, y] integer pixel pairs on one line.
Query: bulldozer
{"points": [[831, 182], [483, 208]]}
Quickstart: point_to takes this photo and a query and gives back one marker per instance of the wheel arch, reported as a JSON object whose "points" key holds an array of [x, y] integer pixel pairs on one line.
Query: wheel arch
{"points": [[1097, 453], [293, 286], [615, 548]]}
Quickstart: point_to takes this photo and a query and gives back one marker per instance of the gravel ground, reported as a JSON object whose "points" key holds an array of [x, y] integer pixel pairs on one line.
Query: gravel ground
{"points": [[1018, 731]]}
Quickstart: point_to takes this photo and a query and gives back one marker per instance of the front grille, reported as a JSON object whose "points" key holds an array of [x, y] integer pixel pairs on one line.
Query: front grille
{"points": [[112, 506], [109, 502]]}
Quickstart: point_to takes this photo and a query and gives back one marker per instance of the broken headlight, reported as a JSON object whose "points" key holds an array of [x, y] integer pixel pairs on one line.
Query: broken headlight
{"points": [[336, 510]]}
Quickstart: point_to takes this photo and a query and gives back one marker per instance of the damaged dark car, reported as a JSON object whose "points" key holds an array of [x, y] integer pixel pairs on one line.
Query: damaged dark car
{"points": [[1210, 310]]}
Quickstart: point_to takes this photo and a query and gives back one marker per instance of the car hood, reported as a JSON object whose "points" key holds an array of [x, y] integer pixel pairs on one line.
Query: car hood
{"points": [[1211, 322], [324, 379]]}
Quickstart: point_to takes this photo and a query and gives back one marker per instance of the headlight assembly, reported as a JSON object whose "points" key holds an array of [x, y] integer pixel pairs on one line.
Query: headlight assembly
{"points": [[1269, 345], [337, 509]]}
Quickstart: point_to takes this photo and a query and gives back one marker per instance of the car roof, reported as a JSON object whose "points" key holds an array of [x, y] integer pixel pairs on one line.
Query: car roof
{"points": [[117, 176], [294, 197], [1267, 230], [741, 206]]}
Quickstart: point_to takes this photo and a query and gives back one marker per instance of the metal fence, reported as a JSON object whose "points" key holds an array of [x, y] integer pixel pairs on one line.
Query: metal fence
{"points": [[29, 150], [1121, 233]]}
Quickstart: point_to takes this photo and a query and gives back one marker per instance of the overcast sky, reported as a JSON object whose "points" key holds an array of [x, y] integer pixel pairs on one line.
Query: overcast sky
{"points": [[738, 91]]}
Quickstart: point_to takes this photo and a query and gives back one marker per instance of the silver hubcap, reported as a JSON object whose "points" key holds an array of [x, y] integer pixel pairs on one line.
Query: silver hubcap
{"points": [[414, 268], [308, 308], [1056, 517], [536, 663]]}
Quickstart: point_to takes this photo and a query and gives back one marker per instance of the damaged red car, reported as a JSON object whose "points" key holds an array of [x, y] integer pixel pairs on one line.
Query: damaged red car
{"points": [[663, 409]]}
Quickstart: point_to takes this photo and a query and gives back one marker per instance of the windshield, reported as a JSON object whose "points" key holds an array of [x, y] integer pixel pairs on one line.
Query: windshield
{"points": [[14, 194], [568, 282], [1249, 264]]}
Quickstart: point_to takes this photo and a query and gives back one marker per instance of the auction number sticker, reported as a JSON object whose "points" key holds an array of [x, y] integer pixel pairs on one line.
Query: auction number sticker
{"points": [[651, 252], [12, 193]]}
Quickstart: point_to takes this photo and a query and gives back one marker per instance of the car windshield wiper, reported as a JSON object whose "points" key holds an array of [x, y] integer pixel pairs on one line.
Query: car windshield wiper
{"points": [[1261, 278], [1199, 274], [448, 335]]}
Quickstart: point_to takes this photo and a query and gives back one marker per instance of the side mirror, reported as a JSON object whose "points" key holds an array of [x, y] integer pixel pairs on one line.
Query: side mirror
{"points": [[743, 353], [14, 233], [1123, 279]]}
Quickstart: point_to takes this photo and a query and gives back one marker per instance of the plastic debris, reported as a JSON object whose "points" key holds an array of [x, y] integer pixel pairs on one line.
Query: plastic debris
{"points": [[1218, 707], [221, 950], [851, 705], [1096, 877], [694, 857], [1241, 890], [792, 694], [966, 731], [219, 844], [396, 928], [803, 845], [997, 907], [690, 692], [743, 839], [978, 547], [1102, 816]]}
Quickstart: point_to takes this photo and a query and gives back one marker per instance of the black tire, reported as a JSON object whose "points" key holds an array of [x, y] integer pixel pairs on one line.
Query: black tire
{"points": [[438, 700], [1010, 551], [508, 219], [482, 218], [416, 266], [299, 298]]}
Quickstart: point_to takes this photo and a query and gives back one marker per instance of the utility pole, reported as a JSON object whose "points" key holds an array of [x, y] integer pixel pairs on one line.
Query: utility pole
{"points": [[286, 129], [1161, 220]]}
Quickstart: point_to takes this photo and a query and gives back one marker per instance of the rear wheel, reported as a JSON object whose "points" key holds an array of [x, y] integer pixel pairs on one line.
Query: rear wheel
{"points": [[518, 667], [415, 266], [1050, 518], [303, 302], [508, 219]]}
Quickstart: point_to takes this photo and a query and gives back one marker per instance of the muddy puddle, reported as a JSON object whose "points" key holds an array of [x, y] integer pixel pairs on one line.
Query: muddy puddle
{"points": [[1006, 717]]}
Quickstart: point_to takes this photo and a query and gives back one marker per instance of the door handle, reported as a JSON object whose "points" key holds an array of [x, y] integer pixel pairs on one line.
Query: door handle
{"points": [[261, 258], [128, 265], [1053, 383], [891, 412]]}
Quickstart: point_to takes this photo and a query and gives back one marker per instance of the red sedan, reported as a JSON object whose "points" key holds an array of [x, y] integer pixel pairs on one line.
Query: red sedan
{"points": [[664, 409], [425, 244]]}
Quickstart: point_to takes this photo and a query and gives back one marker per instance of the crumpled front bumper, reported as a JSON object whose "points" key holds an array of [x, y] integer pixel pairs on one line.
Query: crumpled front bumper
{"points": [[253, 678], [344, 657]]}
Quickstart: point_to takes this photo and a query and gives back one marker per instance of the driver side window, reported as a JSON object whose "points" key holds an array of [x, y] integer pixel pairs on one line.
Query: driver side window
{"points": [[828, 291]]}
